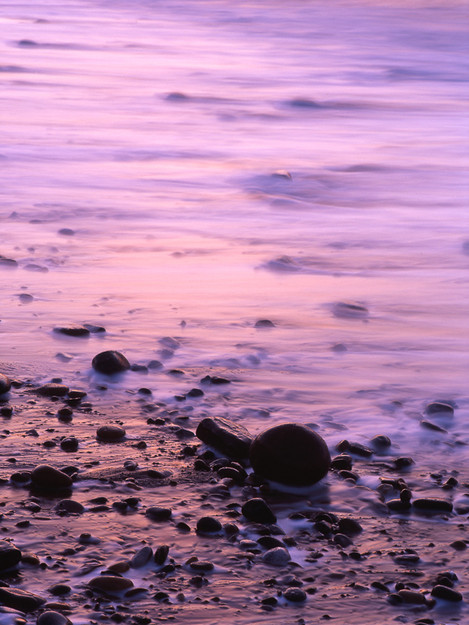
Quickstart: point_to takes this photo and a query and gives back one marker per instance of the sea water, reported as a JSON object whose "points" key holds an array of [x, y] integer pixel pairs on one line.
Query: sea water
{"points": [[184, 169]]}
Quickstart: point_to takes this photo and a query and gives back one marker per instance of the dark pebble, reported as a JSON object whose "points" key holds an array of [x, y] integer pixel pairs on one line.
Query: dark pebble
{"points": [[69, 506], [50, 617], [459, 545], [59, 590], [449, 594], [432, 426], [342, 462], [52, 390], [110, 583], [433, 504], [201, 566], [20, 599], [381, 442], [142, 557], [295, 594], [264, 323], [9, 555], [439, 407], [69, 444], [209, 379], [73, 331], [403, 463], [156, 513], [291, 454], [110, 362], [349, 526], [110, 433], [412, 596], [195, 392], [278, 556], [258, 511], [208, 525], [161, 553], [397, 505]]}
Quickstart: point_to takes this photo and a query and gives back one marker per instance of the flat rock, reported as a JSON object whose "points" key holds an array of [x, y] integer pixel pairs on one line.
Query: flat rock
{"points": [[231, 439], [433, 504], [50, 617], [73, 331], [49, 478], [20, 599], [110, 362], [110, 583], [52, 390], [69, 506], [291, 454], [439, 407], [5, 384], [9, 555], [444, 592], [156, 513], [110, 433]]}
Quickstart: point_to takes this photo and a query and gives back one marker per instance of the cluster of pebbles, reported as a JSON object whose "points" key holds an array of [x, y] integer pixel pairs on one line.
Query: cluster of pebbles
{"points": [[225, 524]]}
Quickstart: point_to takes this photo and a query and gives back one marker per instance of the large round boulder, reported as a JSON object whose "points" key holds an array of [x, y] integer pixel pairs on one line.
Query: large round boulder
{"points": [[110, 362], [291, 454]]}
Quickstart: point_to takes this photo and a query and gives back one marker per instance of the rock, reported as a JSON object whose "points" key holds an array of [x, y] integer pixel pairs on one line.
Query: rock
{"points": [[449, 594], [110, 362], [49, 478], [412, 596], [59, 590], [349, 526], [291, 454], [69, 444], [156, 513], [5, 384], [141, 558], [69, 506], [439, 407], [341, 462], [20, 599], [258, 511], [201, 566], [73, 331], [161, 553], [9, 555], [278, 556], [397, 505], [297, 595], [52, 390], [433, 504], [7, 262], [381, 441], [110, 433], [110, 584], [93, 328], [208, 525], [429, 425], [350, 310], [264, 323], [231, 439], [50, 617], [67, 232]]}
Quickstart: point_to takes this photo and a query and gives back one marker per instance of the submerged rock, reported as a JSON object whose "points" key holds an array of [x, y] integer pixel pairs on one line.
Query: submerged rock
{"points": [[51, 617], [291, 454], [230, 438], [52, 389], [110, 362], [110, 583], [73, 331]]}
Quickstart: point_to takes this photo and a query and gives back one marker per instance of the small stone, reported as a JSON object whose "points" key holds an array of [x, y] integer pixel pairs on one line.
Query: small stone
{"points": [[228, 437], [73, 331], [459, 545], [397, 505], [50, 617], [342, 462], [52, 390], [432, 426], [403, 463], [9, 555], [195, 392], [5, 384], [412, 596], [110, 433], [203, 566], [156, 513], [349, 526], [449, 594], [110, 584], [350, 310], [67, 232], [381, 442], [69, 444], [297, 595], [161, 553], [110, 362], [49, 478], [432, 504], [278, 556], [59, 590], [20, 599], [258, 511], [208, 525], [142, 557], [69, 506], [291, 454], [439, 407], [94, 329]]}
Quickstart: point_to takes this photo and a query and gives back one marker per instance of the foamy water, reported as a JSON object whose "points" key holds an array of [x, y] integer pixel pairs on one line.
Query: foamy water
{"points": [[218, 163]]}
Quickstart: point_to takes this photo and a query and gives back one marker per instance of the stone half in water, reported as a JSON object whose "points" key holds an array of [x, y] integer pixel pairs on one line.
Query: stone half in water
{"points": [[110, 362], [290, 454]]}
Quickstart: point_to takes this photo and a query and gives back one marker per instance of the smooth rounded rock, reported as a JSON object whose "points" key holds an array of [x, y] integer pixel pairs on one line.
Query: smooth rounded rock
{"points": [[291, 454], [208, 525], [297, 595], [73, 331], [141, 558], [50, 617], [52, 389], [278, 556], [231, 439], [69, 506], [20, 599], [258, 511], [9, 555], [110, 362], [155, 513], [110, 583], [110, 433], [5, 384], [49, 478], [449, 594]]}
